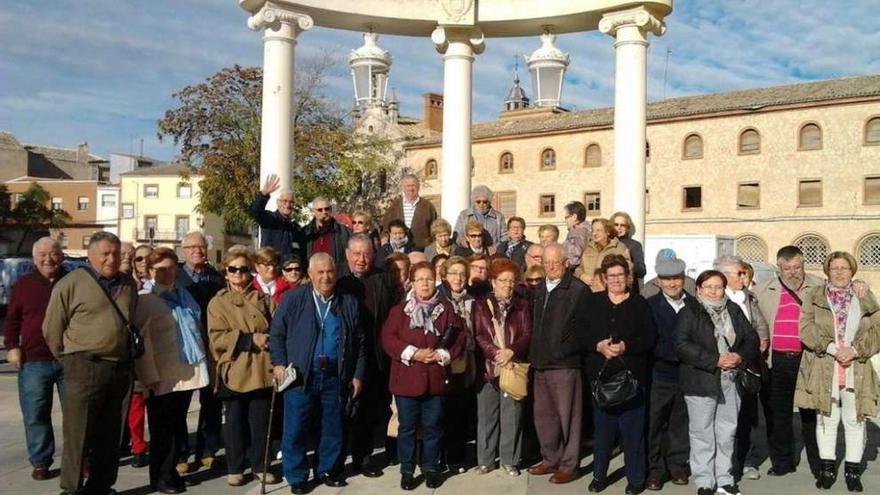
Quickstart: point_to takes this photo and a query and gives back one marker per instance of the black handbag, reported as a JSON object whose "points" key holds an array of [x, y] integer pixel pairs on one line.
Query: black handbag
{"points": [[749, 381], [616, 389], [135, 341]]}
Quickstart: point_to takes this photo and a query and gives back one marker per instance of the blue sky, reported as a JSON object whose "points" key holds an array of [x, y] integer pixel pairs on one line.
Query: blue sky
{"points": [[103, 71]]}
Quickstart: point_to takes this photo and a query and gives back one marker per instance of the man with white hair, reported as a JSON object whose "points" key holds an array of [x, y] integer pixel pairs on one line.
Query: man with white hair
{"points": [[493, 221], [27, 351], [278, 228]]}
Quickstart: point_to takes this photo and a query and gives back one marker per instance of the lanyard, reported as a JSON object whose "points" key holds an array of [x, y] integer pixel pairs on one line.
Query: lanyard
{"points": [[326, 311]]}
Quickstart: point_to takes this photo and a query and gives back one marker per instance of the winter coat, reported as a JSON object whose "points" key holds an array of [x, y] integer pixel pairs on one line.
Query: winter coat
{"points": [[517, 333]]}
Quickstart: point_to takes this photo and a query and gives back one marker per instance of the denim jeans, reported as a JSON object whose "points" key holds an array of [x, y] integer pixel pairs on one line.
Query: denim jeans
{"points": [[321, 399], [425, 411], [35, 394]]}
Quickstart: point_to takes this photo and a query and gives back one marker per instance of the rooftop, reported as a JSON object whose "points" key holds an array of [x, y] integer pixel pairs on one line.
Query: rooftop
{"points": [[162, 170]]}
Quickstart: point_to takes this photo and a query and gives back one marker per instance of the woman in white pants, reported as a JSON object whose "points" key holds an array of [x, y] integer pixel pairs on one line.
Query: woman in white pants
{"points": [[840, 332]]}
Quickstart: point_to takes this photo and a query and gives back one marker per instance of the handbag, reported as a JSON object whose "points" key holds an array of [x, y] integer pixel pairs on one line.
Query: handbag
{"points": [[747, 380], [616, 389], [135, 341], [512, 380]]}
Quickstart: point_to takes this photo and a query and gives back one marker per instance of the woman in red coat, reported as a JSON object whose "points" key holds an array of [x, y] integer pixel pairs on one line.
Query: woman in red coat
{"points": [[500, 416], [421, 335]]}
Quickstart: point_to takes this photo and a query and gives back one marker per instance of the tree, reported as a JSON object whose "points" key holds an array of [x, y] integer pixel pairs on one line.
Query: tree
{"points": [[217, 125], [33, 213]]}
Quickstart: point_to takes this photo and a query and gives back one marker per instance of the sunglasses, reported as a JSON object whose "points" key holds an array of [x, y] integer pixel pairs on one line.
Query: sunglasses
{"points": [[139, 258], [481, 201], [474, 236], [238, 269], [292, 269], [358, 222], [321, 210], [534, 280]]}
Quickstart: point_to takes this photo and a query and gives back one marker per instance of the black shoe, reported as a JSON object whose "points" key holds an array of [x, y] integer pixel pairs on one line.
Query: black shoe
{"points": [[705, 491], [634, 489], [827, 474], [729, 490], [596, 486], [333, 480], [780, 471], [370, 470], [852, 474], [140, 460], [408, 482], [300, 487], [166, 488], [433, 480]]}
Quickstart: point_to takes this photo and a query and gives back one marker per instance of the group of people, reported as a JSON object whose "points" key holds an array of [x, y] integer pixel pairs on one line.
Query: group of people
{"points": [[413, 335]]}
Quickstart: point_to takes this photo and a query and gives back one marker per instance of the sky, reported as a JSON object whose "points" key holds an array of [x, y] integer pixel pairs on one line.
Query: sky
{"points": [[104, 71]]}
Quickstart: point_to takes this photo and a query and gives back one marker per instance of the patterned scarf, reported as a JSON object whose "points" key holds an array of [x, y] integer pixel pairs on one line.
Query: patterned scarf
{"points": [[421, 313], [186, 312], [511, 245], [724, 332], [840, 299]]}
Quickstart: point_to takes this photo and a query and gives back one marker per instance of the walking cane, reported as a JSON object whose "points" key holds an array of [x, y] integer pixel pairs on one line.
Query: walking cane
{"points": [[268, 438]]}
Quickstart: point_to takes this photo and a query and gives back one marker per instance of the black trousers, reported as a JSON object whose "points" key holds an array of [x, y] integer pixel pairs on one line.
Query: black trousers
{"points": [[166, 413], [459, 426], [245, 428], [783, 455], [753, 427], [93, 405], [208, 436], [668, 441], [371, 420]]}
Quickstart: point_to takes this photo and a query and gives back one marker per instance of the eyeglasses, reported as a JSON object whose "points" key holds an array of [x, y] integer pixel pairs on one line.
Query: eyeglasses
{"points": [[615, 275], [481, 201], [621, 225], [535, 280], [285, 201], [714, 288], [292, 269], [321, 210], [196, 246], [474, 236], [138, 259], [358, 222], [238, 269]]}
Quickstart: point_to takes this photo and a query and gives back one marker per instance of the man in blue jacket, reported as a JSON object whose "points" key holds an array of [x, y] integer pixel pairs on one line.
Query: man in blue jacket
{"points": [[278, 229], [318, 330], [668, 438]]}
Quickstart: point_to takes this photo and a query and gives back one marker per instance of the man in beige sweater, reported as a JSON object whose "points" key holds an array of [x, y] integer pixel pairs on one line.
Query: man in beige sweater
{"points": [[88, 337]]}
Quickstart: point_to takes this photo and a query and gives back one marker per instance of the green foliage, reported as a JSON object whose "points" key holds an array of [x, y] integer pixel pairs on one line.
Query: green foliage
{"points": [[34, 212]]}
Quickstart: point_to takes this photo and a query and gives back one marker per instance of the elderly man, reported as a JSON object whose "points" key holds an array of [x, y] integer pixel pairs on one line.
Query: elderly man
{"points": [[492, 220], [578, 231], [26, 351], [203, 282], [126, 263], [560, 320], [668, 438], [278, 228], [780, 300], [534, 256], [652, 287], [416, 213], [324, 233], [85, 333], [317, 330]]}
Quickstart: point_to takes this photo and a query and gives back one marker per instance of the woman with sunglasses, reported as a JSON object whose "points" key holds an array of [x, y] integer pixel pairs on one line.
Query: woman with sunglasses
{"points": [[140, 267], [362, 223], [238, 330], [293, 272], [490, 220]]}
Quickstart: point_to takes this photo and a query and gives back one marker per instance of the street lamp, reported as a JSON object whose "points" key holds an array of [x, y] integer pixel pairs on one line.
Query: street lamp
{"points": [[369, 73], [547, 67]]}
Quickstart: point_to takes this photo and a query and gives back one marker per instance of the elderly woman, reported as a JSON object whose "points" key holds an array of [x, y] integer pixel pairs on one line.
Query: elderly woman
{"points": [[238, 329], [503, 329], [548, 234], [441, 234], [475, 240], [620, 336], [422, 336], [293, 271], [602, 243], [625, 230], [713, 340], [516, 245], [173, 365], [362, 223], [492, 221], [141, 272], [268, 279], [399, 241], [840, 332]]}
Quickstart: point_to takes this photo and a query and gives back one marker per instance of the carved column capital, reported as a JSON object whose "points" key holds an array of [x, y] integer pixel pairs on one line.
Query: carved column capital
{"points": [[472, 37], [271, 16], [638, 17]]}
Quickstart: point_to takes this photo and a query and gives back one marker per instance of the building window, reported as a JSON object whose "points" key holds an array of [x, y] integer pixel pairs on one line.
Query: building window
{"points": [[868, 252], [693, 147], [151, 191], [505, 164], [810, 137], [751, 248], [593, 156], [108, 201], [85, 241], [431, 169], [547, 204], [815, 249], [82, 203], [57, 203], [181, 225], [749, 142], [692, 198], [184, 191], [647, 151], [127, 210], [151, 227], [810, 192], [748, 195], [17, 198], [872, 190], [505, 202], [548, 159], [872, 131], [593, 202], [647, 200]]}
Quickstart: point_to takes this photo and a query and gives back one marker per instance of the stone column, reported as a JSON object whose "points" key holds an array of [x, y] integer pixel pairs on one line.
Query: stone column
{"points": [[276, 138], [630, 28], [458, 46]]}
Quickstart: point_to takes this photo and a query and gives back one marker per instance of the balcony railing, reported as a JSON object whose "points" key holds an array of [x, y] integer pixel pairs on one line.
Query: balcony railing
{"points": [[159, 235]]}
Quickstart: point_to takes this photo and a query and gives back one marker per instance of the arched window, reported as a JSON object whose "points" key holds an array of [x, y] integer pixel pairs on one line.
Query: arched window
{"points": [[815, 249], [431, 169], [810, 137], [872, 131], [548, 159], [693, 147], [868, 252], [751, 248], [749, 142], [593, 156], [505, 163]]}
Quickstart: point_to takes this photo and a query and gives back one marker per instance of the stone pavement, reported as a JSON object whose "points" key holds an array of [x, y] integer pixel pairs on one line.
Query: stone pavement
{"points": [[15, 471]]}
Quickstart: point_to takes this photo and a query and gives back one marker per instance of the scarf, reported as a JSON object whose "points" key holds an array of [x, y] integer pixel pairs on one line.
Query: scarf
{"points": [[422, 313], [724, 333], [187, 315], [840, 299], [481, 216], [399, 247], [511, 245]]}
